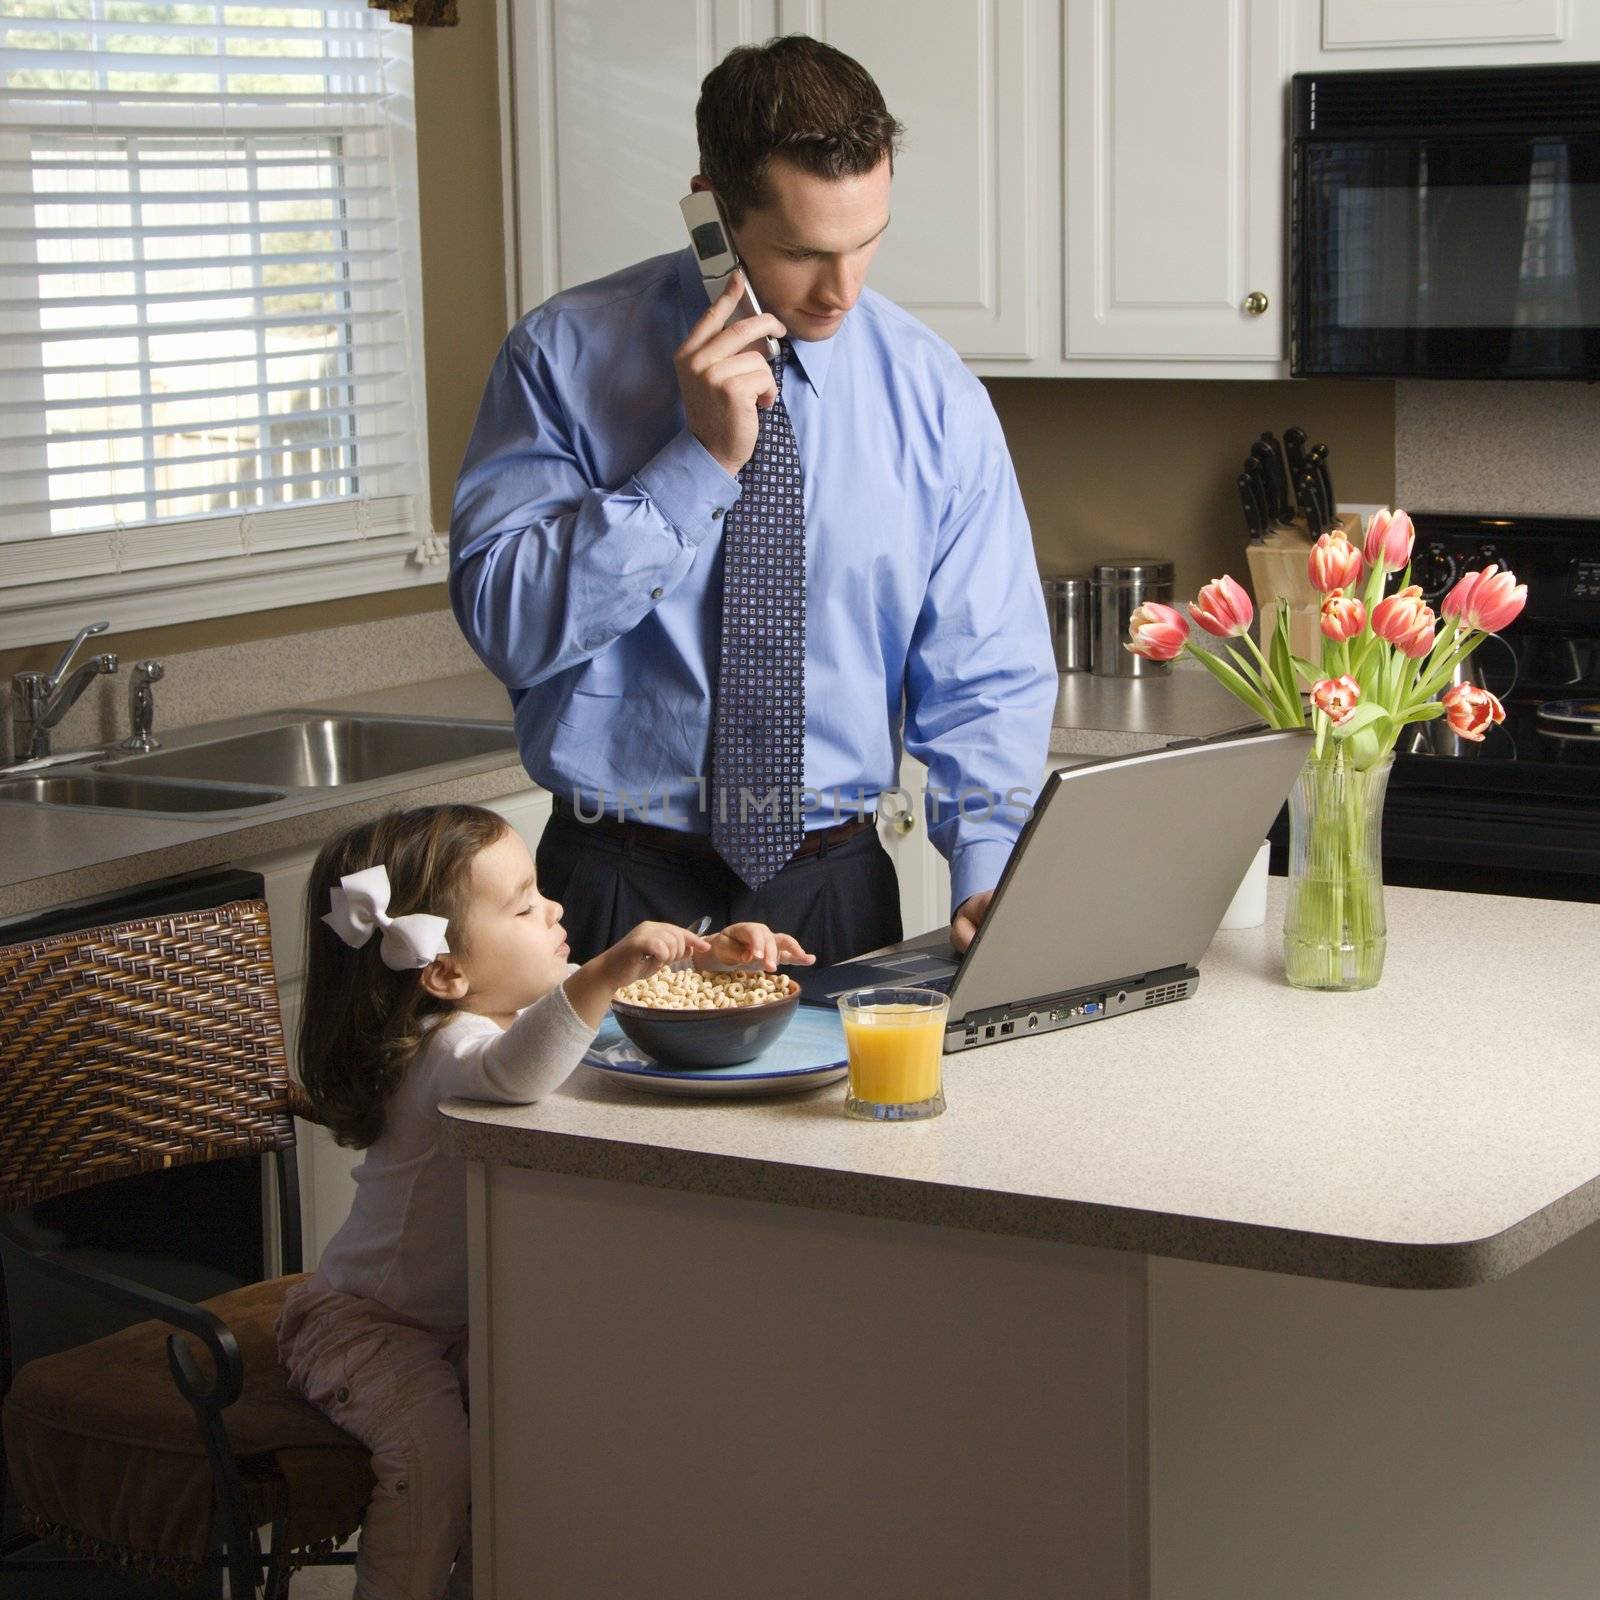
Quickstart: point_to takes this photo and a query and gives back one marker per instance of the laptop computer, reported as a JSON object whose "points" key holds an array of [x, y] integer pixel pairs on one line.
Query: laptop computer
{"points": [[1111, 895]]}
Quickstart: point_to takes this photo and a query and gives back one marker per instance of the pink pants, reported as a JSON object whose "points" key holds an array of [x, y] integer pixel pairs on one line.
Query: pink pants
{"points": [[400, 1388]]}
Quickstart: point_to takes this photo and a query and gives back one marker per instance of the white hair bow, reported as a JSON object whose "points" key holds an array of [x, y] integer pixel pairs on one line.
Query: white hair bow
{"points": [[361, 905]]}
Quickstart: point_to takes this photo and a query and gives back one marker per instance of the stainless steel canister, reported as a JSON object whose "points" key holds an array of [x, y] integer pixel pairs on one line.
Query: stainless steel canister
{"points": [[1067, 600], [1118, 588]]}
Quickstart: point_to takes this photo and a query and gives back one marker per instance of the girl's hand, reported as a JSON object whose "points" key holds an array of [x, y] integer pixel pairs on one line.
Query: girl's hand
{"points": [[639, 954], [751, 944], [648, 948]]}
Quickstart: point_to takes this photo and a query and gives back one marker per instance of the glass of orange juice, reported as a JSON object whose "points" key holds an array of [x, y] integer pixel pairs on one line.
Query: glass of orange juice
{"points": [[895, 1039]]}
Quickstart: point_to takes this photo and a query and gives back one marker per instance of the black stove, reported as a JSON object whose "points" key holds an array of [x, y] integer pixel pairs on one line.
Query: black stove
{"points": [[1520, 813]]}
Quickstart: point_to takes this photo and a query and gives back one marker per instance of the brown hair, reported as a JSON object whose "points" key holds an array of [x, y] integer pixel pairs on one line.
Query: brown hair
{"points": [[793, 97], [361, 1021]]}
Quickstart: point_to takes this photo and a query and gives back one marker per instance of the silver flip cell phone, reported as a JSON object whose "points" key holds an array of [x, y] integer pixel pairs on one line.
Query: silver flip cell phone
{"points": [[712, 239]]}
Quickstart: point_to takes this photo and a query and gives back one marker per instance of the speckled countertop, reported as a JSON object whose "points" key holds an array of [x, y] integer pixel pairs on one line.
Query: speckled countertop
{"points": [[1110, 716], [1426, 1133], [49, 856]]}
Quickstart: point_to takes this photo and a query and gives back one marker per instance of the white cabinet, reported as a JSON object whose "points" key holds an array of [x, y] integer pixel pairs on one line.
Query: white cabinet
{"points": [[962, 253], [603, 98], [1175, 124], [603, 95], [1087, 187], [1174, 157], [923, 873], [326, 1184], [1355, 35], [527, 813]]}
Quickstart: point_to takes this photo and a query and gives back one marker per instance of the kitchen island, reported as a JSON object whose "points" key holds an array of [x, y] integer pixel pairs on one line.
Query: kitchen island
{"points": [[1136, 1316]]}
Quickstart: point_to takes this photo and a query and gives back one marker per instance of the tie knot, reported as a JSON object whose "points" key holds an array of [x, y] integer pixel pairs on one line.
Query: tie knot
{"points": [[777, 362]]}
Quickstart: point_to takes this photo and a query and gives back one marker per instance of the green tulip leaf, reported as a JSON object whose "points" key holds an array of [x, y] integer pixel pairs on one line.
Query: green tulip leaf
{"points": [[1366, 749], [1237, 685], [1364, 716], [1425, 712]]}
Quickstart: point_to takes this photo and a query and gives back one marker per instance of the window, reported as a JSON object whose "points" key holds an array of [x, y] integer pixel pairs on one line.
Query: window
{"points": [[207, 258]]}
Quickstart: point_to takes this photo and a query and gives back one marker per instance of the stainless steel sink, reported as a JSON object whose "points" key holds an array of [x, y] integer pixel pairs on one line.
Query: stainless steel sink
{"points": [[323, 752], [133, 794]]}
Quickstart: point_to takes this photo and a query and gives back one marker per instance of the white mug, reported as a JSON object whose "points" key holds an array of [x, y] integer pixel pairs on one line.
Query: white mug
{"points": [[1248, 908]]}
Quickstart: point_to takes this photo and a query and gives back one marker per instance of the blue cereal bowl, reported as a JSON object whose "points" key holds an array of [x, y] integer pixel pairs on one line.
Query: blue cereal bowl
{"points": [[705, 1038]]}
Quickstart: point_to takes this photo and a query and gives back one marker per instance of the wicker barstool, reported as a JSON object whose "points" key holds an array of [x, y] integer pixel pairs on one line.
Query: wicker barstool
{"points": [[128, 1049]]}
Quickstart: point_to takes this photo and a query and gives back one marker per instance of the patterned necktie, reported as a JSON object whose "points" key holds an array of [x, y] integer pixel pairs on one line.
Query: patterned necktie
{"points": [[758, 737]]}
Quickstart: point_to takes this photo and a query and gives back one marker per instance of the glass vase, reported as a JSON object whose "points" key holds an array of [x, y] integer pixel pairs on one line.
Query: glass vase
{"points": [[1334, 936]]}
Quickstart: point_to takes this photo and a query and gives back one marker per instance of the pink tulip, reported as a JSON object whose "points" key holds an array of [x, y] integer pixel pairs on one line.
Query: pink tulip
{"points": [[1471, 711], [1223, 608], [1156, 631], [1389, 539], [1337, 698], [1487, 600], [1343, 616], [1407, 621], [1334, 563]]}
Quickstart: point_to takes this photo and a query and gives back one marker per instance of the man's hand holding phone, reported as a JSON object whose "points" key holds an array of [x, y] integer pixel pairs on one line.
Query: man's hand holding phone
{"points": [[723, 380]]}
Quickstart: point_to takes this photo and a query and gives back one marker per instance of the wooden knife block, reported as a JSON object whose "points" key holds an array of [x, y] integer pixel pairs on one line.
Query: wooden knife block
{"points": [[1279, 576]]}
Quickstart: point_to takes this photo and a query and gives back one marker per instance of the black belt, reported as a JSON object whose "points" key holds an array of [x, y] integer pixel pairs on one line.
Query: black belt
{"points": [[698, 846]]}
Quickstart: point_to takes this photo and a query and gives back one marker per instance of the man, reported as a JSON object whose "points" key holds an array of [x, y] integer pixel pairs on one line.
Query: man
{"points": [[711, 583]]}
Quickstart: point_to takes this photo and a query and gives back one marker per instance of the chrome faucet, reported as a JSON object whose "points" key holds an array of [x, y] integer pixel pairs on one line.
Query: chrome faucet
{"points": [[39, 700], [142, 707]]}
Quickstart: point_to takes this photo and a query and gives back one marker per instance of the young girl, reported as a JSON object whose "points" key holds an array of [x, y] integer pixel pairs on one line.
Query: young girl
{"points": [[433, 968]]}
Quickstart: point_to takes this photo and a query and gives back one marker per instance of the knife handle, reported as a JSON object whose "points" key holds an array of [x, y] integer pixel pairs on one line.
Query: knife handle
{"points": [[1279, 470], [1318, 458], [1308, 492], [1260, 466], [1252, 509]]}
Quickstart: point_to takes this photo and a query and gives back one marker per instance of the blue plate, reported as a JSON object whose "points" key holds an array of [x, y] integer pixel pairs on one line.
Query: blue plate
{"points": [[810, 1053]]}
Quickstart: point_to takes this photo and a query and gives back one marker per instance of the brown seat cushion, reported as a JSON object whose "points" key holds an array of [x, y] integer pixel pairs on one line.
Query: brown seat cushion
{"points": [[100, 1444]]}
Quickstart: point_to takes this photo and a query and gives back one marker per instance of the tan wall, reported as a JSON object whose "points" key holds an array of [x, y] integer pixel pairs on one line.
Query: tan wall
{"points": [[1128, 466], [463, 232], [1107, 466]]}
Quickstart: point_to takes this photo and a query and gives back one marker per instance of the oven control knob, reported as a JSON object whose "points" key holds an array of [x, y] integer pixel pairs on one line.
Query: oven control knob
{"points": [[1435, 570]]}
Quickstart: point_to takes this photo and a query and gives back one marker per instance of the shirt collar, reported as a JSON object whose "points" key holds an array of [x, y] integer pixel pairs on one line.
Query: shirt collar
{"points": [[812, 357]]}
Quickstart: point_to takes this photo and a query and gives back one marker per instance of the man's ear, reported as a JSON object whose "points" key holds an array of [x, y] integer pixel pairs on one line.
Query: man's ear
{"points": [[444, 978], [698, 184]]}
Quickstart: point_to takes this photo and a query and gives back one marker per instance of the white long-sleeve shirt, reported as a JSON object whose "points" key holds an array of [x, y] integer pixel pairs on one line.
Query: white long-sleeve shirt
{"points": [[405, 1240]]}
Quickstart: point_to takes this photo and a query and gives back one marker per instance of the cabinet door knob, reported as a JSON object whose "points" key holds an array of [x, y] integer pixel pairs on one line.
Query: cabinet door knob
{"points": [[900, 817], [1255, 302]]}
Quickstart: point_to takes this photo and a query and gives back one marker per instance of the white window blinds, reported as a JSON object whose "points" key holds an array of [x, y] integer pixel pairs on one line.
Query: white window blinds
{"points": [[207, 254]]}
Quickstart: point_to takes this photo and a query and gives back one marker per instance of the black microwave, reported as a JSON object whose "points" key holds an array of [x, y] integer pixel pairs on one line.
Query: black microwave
{"points": [[1446, 223]]}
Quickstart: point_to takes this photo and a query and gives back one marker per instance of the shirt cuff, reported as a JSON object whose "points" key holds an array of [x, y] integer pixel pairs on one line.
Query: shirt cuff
{"points": [[976, 867], [688, 487], [565, 1018]]}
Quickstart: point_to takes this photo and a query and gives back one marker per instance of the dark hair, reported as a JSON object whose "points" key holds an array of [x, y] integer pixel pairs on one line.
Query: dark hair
{"points": [[361, 1022], [793, 97]]}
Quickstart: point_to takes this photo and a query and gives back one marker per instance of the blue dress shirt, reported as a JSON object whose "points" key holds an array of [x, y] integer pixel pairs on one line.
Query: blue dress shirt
{"points": [[586, 568]]}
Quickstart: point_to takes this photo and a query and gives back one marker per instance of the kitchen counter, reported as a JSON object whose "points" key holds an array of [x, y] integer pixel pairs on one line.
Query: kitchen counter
{"points": [[52, 855], [1414, 1135], [1020, 1349], [1112, 716]]}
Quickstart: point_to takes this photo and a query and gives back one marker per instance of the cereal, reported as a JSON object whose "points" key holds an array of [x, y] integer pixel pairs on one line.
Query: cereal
{"points": [[690, 990]]}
